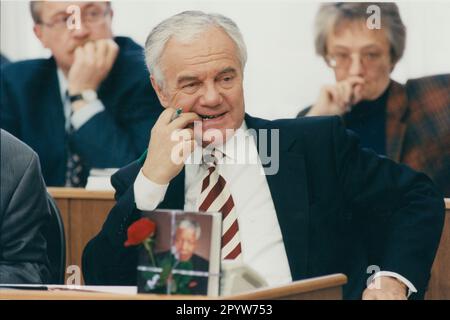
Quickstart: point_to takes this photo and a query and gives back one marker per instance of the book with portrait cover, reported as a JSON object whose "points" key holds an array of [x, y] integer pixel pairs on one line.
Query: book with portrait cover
{"points": [[181, 252]]}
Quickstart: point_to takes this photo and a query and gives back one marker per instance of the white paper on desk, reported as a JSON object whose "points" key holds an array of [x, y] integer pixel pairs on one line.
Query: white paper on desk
{"points": [[103, 289], [100, 179]]}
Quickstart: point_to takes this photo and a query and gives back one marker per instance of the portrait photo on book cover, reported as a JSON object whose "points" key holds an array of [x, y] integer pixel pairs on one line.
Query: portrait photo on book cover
{"points": [[180, 254]]}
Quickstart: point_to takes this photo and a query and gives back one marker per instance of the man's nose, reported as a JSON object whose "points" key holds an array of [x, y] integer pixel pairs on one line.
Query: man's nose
{"points": [[211, 96], [82, 32], [356, 66], [184, 246]]}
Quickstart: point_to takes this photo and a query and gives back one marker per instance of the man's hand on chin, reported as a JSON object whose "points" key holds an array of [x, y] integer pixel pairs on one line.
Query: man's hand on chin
{"points": [[385, 288]]}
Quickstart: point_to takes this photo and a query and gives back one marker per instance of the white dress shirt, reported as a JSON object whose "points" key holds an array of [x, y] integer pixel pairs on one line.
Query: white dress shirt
{"points": [[81, 116], [262, 243]]}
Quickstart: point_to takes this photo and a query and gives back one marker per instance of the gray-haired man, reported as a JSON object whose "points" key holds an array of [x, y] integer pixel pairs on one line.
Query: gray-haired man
{"points": [[307, 219]]}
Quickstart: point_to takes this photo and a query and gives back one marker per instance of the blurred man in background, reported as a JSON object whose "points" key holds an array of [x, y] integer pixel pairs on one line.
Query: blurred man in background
{"points": [[90, 104], [408, 123]]}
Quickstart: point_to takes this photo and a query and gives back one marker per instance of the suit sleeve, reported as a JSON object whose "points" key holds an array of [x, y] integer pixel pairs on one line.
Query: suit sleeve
{"points": [[106, 261], [114, 140], [413, 209], [23, 246], [9, 119]]}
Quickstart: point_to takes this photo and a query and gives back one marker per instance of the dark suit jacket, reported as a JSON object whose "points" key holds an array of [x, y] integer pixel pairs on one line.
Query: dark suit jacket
{"points": [[23, 214], [32, 110], [3, 60], [418, 126], [199, 284], [336, 205]]}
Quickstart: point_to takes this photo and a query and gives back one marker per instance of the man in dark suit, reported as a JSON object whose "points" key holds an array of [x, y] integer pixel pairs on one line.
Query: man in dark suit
{"points": [[90, 104], [409, 123], [306, 211], [24, 212]]}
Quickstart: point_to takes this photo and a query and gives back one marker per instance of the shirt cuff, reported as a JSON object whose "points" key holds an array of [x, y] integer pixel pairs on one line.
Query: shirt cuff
{"points": [[147, 194], [81, 116], [411, 288]]}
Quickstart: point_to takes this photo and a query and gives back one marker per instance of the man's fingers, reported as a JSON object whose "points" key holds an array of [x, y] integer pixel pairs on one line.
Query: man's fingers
{"points": [[188, 147], [182, 135], [89, 53], [101, 53], [79, 58], [185, 119], [377, 294], [165, 116], [112, 49], [78, 53], [386, 291], [182, 151]]}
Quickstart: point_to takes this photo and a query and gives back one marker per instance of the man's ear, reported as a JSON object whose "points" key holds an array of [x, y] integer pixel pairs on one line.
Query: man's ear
{"points": [[393, 65], [37, 29], [159, 92]]}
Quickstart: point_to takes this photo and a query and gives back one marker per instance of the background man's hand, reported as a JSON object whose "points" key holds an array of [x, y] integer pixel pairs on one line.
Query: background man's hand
{"points": [[171, 143], [388, 289], [337, 99], [92, 63]]}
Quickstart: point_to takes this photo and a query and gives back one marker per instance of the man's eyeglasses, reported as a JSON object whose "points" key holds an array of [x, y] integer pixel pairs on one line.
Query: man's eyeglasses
{"points": [[341, 60], [90, 16]]}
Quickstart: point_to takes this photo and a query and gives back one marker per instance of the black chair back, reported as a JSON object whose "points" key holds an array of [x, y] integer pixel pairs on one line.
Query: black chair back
{"points": [[56, 243]]}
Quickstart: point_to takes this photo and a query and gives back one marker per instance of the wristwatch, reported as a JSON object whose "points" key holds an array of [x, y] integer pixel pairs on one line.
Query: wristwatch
{"points": [[86, 95]]}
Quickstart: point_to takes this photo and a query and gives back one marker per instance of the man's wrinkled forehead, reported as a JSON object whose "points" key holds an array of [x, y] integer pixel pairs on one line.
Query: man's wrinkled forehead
{"points": [[214, 45]]}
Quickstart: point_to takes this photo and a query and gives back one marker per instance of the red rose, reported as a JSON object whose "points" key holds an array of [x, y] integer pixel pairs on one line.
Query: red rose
{"points": [[139, 231]]}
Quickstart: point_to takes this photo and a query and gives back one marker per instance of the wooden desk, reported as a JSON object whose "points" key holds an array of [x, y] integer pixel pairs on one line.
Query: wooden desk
{"points": [[320, 288], [83, 213], [439, 285]]}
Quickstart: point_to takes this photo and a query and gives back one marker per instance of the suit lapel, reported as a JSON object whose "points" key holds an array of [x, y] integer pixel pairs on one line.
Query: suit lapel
{"points": [[395, 124], [289, 192], [174, 198], [49, 123], [51, 109]]}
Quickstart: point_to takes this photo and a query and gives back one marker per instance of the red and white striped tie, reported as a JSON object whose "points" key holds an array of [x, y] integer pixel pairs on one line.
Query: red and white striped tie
{"points": [[215, 196]]}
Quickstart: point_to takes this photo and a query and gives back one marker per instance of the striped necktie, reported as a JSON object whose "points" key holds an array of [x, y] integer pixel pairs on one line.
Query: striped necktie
{"points": [[215, 196], [75, 171]]}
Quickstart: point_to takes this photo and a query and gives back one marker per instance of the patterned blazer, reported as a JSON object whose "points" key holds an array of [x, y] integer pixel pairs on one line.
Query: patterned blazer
{"points": [[418, 126]]}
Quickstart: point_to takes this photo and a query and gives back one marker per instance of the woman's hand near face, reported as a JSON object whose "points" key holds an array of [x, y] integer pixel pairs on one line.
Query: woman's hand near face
{"points": [[338, 98]]}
